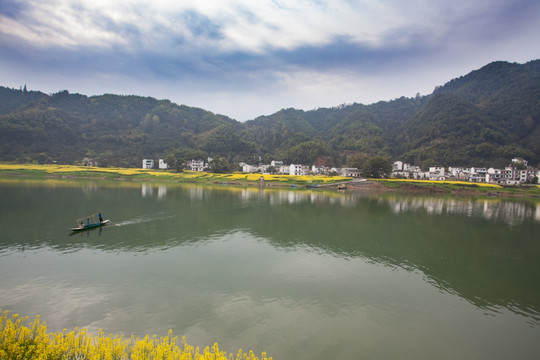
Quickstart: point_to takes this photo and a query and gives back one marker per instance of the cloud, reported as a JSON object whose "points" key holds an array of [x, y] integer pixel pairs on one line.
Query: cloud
{"points": [[267, 50]]}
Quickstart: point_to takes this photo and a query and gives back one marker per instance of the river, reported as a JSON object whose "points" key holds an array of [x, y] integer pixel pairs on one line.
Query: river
{"points": [[300, 274]]}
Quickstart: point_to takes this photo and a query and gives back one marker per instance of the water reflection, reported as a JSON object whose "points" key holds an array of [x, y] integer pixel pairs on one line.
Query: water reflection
{"points": [[513, 212], [147, 190], [484, 250], [162, 192]]}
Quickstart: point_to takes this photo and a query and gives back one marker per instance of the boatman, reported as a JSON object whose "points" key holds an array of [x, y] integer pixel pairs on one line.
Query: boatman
{"points": [[87, 222], [100, 218]]}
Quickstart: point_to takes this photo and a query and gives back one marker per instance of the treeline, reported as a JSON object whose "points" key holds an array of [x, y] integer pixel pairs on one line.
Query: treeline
{"points": [[483, 119]]}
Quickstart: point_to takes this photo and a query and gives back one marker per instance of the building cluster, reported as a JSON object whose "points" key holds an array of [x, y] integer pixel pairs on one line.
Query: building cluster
{"points": [[149, 164], [279, 167], [518, 172]]}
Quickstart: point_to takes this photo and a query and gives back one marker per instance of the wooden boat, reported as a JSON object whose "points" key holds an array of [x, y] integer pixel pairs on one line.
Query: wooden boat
{"points": [[89, 222]]}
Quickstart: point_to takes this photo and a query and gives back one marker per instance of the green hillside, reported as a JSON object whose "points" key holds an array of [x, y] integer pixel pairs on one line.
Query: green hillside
{"points": [[483, 118]]}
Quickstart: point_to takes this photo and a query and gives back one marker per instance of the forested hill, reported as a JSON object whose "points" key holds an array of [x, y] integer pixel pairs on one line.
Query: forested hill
{"points": [[483, 118], [114, 130]]}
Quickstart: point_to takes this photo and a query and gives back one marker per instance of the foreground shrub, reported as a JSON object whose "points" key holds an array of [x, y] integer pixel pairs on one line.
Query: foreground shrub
{"points": [[21, 339]]}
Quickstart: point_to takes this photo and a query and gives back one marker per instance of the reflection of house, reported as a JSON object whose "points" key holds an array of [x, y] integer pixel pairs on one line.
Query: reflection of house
{"points": [[162, 192], [146, 190], [148, 164]]}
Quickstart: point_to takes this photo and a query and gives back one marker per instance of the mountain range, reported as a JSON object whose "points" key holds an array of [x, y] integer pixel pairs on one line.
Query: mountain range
{"points": [[484, 118]]}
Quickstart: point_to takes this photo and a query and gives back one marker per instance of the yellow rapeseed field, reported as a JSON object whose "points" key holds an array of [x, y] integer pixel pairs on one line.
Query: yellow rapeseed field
{"points": [[21, 339], [444, 182], [185, 175]]}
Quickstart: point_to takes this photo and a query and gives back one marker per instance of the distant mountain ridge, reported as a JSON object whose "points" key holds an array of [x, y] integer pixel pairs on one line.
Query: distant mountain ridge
{"points": [[483, 118]]}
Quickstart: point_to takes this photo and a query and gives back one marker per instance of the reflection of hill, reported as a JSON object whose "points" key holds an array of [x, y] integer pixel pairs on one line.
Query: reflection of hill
{"points": [[484, 250], [464, 246]]}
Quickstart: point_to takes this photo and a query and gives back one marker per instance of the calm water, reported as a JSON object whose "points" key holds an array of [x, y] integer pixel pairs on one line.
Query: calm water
{"points": [[299, 274]]}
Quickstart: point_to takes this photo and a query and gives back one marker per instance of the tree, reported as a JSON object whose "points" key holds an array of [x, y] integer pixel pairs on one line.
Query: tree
{"points": [[174, 162], [357, 160], [377, 167], [426, 164], [219, 165]]}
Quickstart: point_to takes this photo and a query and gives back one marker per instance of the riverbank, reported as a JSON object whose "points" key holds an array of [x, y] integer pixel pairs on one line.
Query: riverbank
{"points": [[135, 174], [458, 188]]}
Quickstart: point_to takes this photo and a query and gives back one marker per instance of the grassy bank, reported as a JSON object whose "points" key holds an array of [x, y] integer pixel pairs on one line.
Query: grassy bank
{"points": [[69, 171], [22, 339], [459, 187]]}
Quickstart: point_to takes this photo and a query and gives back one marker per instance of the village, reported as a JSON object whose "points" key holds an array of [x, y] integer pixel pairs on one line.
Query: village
{"points": [[516, 173]]}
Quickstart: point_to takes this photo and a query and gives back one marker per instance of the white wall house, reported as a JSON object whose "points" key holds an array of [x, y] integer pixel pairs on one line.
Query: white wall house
{"points": [[148, 164], [350, 172], [495, 176], [436, 173], [478, 174], [162, 164], [459, 173], [196, 165], [284, 169], [397, 166], [297, 169]]}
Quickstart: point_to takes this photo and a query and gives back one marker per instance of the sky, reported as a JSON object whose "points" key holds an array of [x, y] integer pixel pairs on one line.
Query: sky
{"points": [[247, 58]]}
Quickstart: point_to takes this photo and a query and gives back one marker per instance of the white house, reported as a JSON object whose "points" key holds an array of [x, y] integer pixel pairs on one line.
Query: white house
{"points": [[436, 173], [162, 164], [196, 165], [322, 170], [405, 170], [520, 161], [478, 174], [399, 166], [495, 176], [297, 169], [148, 164], [459, 173], [350, 172], [284, 169]]}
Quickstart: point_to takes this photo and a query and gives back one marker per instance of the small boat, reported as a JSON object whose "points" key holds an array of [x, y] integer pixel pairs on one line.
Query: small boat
{"points": [[90, 222]]}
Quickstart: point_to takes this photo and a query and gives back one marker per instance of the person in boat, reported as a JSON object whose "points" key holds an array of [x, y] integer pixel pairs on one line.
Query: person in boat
{"points": [[100, 218], [87, 222], [81, 226]]}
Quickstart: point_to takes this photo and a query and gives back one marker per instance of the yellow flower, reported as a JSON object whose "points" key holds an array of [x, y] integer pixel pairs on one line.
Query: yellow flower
{"points": [[23, 340]]}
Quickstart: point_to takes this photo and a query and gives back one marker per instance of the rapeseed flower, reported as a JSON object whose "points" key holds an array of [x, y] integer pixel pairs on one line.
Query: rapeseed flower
{"points": [[21, 339]]}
